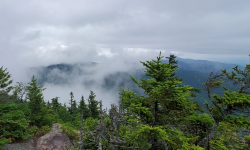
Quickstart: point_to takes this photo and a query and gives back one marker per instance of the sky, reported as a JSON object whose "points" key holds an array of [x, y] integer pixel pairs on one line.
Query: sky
{"points": [[43, 32]]}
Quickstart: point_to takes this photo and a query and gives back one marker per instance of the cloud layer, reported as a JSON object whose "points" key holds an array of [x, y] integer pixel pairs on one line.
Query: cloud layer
{"points": [[44, 32]]}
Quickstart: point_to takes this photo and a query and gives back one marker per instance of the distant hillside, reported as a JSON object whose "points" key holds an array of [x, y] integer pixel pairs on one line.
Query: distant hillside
{"points": [[189, 70], [60, 73], [203, 65]]}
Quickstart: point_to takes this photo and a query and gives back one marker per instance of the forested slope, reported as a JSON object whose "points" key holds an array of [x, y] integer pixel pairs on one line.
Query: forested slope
{"points": [[163, 116]]}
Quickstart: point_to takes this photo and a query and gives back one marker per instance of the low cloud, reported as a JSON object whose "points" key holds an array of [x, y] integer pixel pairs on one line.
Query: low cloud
{"points": [[119, 34]]}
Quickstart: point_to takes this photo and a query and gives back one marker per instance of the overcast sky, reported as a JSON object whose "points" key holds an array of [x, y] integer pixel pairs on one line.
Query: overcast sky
{"points": [[42, 32]]}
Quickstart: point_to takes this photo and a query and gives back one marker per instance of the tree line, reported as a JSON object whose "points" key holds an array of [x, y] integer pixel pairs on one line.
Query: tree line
{"points": [[165, 117]]}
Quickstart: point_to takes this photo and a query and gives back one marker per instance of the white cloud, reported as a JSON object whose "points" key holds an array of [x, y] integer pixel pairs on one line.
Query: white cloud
{"points": [[105, 52], [44, 32]]}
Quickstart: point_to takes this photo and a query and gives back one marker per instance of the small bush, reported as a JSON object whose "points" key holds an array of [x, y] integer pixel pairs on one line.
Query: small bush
{"points": [[69, 131], [43, 130], [14, 124]]}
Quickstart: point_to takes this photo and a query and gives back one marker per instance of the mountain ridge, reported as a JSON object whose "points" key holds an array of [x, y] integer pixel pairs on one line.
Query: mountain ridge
{"points": [[64, 74]]}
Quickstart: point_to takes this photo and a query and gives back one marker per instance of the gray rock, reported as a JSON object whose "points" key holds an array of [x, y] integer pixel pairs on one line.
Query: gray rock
{"points": [[53, 140], [29, 145]]}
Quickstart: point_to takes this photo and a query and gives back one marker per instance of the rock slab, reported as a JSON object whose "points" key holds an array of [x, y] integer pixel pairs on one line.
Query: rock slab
{"points": [[53, 140], [29, 145]]}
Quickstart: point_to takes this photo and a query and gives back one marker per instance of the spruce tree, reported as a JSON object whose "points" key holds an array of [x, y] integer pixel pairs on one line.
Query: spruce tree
{"points": [[165, 102], [55, 103], [49, 105], [35, 104], [71, 101], [74, 108], [93, 105], [174, 65], [64, 114], [19, 92], [5, 83], [83, 108], [230, 110], [172, 60]]}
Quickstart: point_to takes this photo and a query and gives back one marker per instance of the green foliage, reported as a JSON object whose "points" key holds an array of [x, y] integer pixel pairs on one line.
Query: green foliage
{"points": [[49, 105], [4, 141], [89, 125], [186, 146], [35, 98], [5, 87], [198, 125], [178, 140], [76, 123], [200, 120], [73, 106], [230, 111], [247, 140], [5, 80], [83, 108], [240, 121], [43, 130], [19, 91], [55, 103], [232, 101], [164, 117], [49, 117], [64, 115], [40, 115], [166, 101], [14, 122], [93, 105], [69, 131], [139, 138], [163, 93]]}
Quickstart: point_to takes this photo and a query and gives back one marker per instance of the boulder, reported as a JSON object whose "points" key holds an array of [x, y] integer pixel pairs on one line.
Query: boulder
{"points": [[54, 140]]}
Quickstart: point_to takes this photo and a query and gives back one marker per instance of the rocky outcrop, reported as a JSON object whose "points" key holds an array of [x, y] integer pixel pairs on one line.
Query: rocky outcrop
{"points": [[28, 145], [53, 140]]}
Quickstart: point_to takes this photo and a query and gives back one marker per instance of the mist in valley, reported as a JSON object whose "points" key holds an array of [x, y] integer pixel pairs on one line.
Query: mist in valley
{"points": [[116, 35], [104, 77]]}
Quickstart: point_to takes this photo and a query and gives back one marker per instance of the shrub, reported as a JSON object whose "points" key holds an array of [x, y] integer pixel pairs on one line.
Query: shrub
{"points": [[14, 124]]}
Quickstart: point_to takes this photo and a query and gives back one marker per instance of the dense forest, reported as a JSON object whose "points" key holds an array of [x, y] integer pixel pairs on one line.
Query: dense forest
{"points": [[166, 113]]}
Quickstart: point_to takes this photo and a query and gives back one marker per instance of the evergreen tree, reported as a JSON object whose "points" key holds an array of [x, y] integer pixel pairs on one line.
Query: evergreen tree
{"points": [[49, 105], [230, 111], [40, 115], [64, 114], [165, 103], [172, 60], [83, 108], [14, 120], [55, 103], [19, 92], [35, 97], [174, 65], [5, 82], [70, 108], [74, 108], [93, 105]]}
